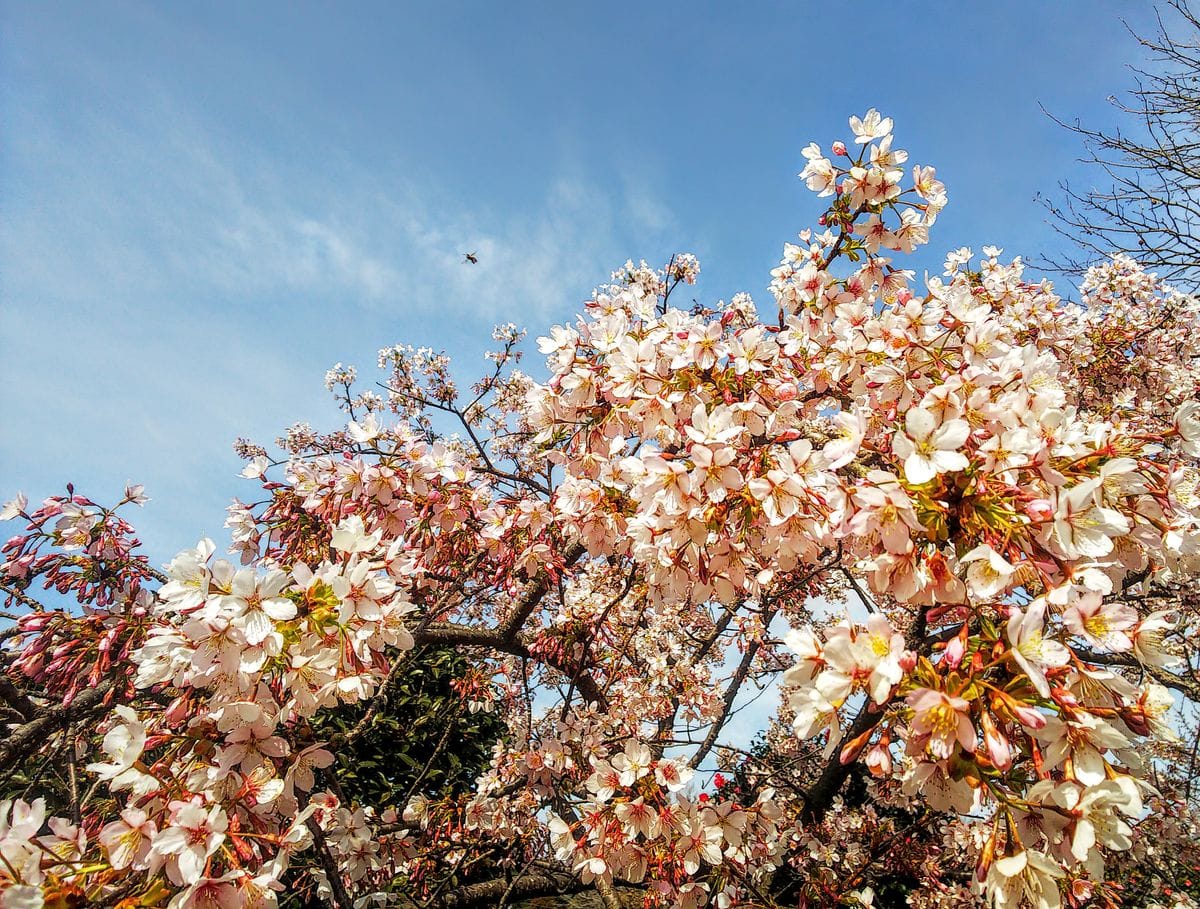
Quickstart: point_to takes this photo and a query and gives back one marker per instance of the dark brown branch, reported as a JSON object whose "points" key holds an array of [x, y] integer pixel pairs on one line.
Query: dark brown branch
{"points": [[26, 739], [494, 639], [534, 593], [341, 899], [1184, 684], [15, 698], [21, 597], [1150, 208], [625, 588], [731, 693], [821, 795], [526, 886]]}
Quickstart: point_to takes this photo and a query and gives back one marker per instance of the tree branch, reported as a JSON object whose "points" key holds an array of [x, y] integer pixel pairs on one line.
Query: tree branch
{"points": [[26, 739]]}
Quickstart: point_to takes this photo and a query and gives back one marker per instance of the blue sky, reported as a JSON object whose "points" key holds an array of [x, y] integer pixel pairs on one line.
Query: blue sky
{"points": [[204, 206]]}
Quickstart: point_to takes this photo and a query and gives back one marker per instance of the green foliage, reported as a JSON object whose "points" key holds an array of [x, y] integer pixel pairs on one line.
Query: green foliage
{"points": [[46, 776], [421, 740]]}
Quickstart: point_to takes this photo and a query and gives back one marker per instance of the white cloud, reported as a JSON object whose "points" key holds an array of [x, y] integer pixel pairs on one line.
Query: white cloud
{"points": [[155, 205], [163, 295]]}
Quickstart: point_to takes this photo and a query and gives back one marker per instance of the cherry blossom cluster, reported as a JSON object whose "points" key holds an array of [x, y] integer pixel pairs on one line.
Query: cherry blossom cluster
{"points": [[639, 824], [216, 781], [957, 520], [28, 850]]}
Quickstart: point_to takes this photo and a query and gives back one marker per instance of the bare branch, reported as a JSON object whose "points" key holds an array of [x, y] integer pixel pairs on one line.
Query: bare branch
{"points": [[1150, 209]]}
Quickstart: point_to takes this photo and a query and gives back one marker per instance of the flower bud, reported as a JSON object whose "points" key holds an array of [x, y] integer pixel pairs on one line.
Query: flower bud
{"points": [[1135, 719], [998, 749], [987, 855], [879, 759], [34, 621], [1027, 716], [1039, 510], [853, 748], [954, 652], [1065, 696], [177, 711], [839, 147]]}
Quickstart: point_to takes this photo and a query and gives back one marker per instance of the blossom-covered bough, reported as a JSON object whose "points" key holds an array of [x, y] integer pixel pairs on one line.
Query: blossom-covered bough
{"points": [[959, 522]]}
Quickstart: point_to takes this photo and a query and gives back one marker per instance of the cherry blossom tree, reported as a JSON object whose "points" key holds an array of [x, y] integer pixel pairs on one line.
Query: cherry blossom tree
{"points": [[957, 523]]}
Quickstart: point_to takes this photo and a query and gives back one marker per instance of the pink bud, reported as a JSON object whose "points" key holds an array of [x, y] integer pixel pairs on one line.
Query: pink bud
{"points": [[56, 666], [786, 391], [999, 752], [1065, 697], [34, 621], [908, 661], [839, 148], [1039, 510], [997, 745], [954, 652], [879, 760], [1029, 717], [177, 711], [17, 568], [1135, 719]]}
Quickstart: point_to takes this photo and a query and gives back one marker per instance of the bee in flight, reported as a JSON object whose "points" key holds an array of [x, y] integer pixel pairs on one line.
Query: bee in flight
{"points": [[471, 258]]}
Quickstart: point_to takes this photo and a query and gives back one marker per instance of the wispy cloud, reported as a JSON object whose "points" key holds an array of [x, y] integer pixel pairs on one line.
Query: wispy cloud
{"points": [[165, 292], [146, 210]]}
